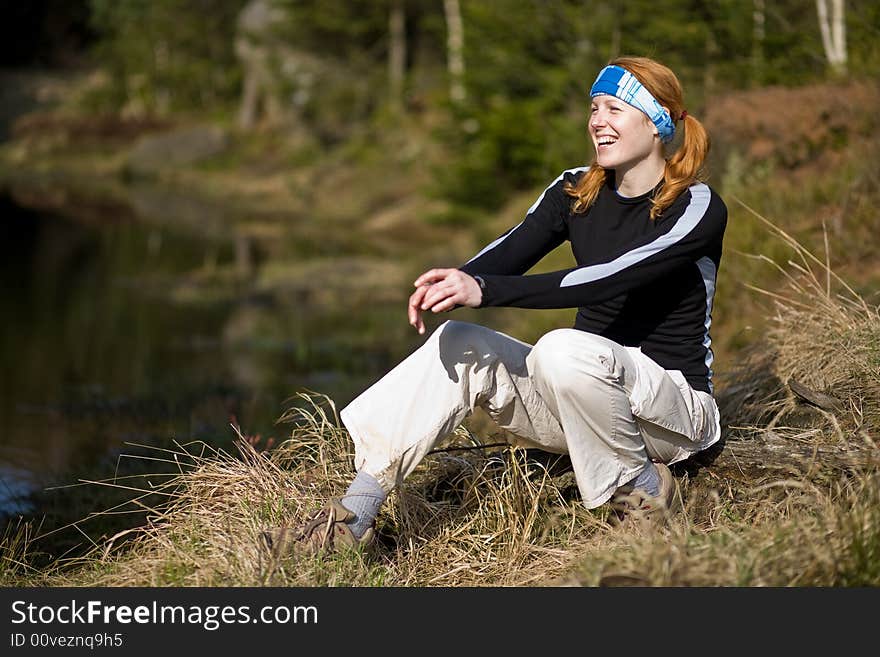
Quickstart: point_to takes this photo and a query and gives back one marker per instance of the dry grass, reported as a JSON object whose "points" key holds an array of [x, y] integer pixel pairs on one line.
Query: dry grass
{"points": [[467, 517], [823, 335], [793, 499]]}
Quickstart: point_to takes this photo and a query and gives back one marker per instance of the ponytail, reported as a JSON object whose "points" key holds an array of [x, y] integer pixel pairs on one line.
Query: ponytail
{"points": [[684, 167]]}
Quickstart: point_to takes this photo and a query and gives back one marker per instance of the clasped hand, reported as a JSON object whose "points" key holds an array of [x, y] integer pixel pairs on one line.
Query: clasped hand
{"points": [[439, 290]]}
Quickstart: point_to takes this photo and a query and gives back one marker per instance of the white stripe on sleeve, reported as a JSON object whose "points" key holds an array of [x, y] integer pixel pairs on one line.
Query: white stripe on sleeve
{"points": [[696, 209]]}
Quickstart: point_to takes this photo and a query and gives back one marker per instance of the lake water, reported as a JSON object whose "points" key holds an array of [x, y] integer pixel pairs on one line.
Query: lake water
{"points": [[112, 338]]}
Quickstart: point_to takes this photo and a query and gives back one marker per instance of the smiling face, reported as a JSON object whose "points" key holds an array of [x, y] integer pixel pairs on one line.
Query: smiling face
{"points": [[623, 136]]}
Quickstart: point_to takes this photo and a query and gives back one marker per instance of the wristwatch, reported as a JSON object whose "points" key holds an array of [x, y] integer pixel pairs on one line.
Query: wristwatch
{"points": [[482, 284]]}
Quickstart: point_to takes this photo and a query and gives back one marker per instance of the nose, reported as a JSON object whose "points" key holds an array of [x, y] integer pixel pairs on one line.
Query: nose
{"points": [[597, 119]]}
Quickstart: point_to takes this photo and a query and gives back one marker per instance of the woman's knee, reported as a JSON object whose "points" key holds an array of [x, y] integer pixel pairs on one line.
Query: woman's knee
{"points": [[554, 352], [565, 356], [462, 337]]}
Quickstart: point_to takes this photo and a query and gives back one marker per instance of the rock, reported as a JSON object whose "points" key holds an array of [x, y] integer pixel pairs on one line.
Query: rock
{"points": [[179, 147]]}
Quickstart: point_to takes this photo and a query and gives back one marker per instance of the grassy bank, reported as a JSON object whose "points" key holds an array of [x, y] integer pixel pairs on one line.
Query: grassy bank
{"points": [[790, 500]]}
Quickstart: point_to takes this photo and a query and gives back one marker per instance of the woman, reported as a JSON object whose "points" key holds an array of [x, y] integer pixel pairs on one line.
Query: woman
{"points": [[624, 392]]}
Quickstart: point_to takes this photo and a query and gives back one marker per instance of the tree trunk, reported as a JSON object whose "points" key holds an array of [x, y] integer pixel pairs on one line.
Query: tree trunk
{"points": [[833, 31], [396, 53], [615, 31], [758, 33], [838, 31], [247, 113], [455, 50], [711, 51]]}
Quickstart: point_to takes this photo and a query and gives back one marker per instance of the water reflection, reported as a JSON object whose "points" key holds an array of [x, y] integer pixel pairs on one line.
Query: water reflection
{"points": [[16, 485], [122, 330]]}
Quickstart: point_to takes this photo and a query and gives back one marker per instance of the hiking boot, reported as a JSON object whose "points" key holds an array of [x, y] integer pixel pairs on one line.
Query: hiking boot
{"points": [[632, 502], [324, 531]]}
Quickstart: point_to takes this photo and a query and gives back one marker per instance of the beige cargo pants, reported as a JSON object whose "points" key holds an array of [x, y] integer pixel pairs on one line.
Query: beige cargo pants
{"points": [[609, 407]]}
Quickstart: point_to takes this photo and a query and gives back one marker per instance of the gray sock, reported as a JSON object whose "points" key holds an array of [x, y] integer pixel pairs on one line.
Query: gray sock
{"points": [[363, 498], [648, 480]]}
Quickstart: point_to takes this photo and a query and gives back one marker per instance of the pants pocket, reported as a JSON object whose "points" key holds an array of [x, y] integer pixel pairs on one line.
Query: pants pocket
{"points": [[664, 398]]}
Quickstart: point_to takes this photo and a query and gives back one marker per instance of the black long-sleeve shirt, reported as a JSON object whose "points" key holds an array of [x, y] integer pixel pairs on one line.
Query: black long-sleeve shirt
{"points": [[640, 282]]}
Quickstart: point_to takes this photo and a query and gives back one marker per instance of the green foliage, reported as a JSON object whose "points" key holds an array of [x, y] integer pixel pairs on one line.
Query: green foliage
{"points": [[341, 29], [506, 153], [530, 64], [527, 66], [525, 81], [863, 37], [167, 55]]}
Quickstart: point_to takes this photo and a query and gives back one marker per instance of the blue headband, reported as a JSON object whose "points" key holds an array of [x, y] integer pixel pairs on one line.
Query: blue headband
{"points": [[617, 81]]}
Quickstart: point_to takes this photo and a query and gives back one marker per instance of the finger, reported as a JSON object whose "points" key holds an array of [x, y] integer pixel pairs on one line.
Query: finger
{"points": [[436, 294], [432, 276], [447, 304], [417, 297], [417, 322], [412, 310], [426, 278], [430, 295], [414, 314]]}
